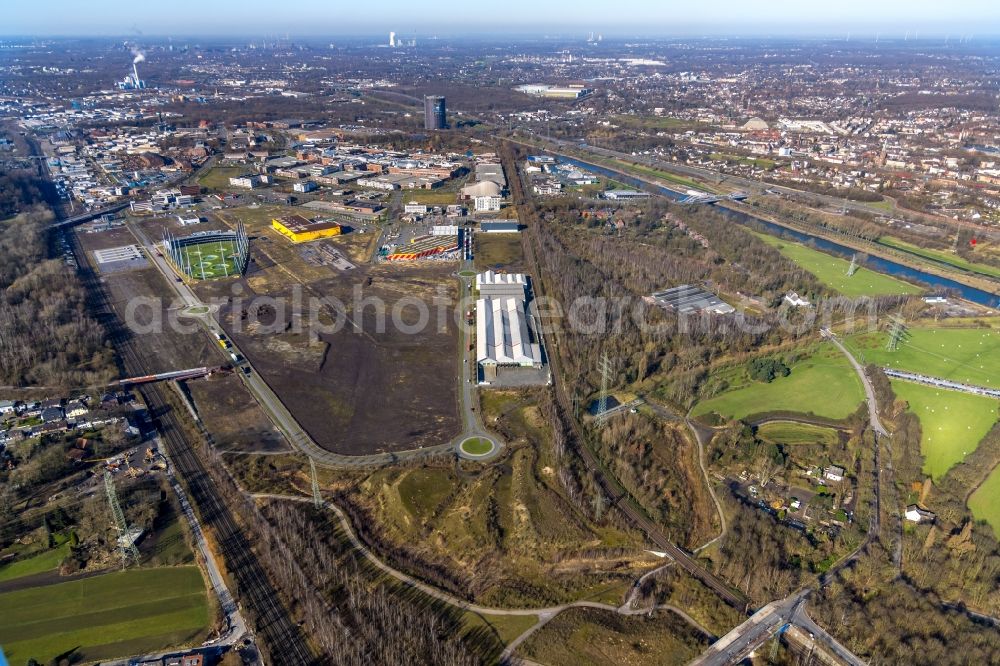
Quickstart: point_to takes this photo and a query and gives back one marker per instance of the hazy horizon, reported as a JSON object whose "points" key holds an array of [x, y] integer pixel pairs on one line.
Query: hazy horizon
{"points": [[630, 18]]}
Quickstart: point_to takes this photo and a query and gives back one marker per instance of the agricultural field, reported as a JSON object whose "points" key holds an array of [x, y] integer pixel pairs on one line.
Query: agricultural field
{"points": [[113, 615], [790, 432], [823, 384], [832, 271], [985, 502], [591, 636], [952, 423], [966, 355]]}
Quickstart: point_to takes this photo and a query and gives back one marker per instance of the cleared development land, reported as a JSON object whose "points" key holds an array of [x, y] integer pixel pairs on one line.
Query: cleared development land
{"points": [[823, 384], [952, 423], [113, 615], [966, 355], [832, 271]]}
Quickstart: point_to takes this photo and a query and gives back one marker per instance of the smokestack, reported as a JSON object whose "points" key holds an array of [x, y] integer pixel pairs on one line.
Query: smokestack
{"points": [[135, 70]]}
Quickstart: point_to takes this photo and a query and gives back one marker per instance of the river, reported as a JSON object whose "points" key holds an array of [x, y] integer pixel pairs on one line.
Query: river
{"points": [[879, 264]]}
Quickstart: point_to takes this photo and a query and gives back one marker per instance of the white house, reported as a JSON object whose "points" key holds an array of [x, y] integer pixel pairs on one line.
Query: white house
{"points": [[796, 301], [834, 473], [915, 514]]}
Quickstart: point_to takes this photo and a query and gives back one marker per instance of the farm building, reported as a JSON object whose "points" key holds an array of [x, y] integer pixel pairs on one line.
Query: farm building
{"points": [[300, 229]]}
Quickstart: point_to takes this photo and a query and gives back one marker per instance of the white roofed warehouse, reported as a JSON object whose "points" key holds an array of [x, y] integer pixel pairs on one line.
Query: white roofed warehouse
{"points": [[505, 336], [502, 335]]}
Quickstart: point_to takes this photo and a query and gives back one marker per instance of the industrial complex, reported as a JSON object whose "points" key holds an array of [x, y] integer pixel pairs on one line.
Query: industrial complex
{"points": [[505, 338], [300, 229], [688, 299]]}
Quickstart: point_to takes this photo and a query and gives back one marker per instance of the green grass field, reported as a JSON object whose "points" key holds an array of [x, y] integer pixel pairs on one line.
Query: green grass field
{"points": [[477, 446], [113, 615], [217, 178], [941, 256], [985, 502], [210, 260], [967, 355], [760, 162], [832, 271], [824, 385], [45, 561], [790, 432], [952, 423]]}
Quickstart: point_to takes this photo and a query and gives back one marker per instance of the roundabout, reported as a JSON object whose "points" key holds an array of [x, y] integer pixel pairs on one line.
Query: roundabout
{"points": [[477, 448]]}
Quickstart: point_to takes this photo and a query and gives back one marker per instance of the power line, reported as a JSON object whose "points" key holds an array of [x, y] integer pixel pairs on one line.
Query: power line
{"points": [[604, 365], [317, 497], [126, 540]]}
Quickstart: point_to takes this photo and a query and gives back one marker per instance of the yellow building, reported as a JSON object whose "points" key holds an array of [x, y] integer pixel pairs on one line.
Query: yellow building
{"points": [[299, 229]]}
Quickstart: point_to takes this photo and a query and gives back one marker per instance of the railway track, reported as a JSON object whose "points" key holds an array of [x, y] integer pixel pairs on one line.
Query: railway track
{"points": [[286, 643], [617, 495]]}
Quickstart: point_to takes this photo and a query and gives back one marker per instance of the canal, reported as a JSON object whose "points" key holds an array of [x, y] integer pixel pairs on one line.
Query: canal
{"points": [[887, 266]]}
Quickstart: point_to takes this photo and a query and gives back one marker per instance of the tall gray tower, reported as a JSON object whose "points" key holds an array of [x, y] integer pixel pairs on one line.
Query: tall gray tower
{"points": [[434, 113]]}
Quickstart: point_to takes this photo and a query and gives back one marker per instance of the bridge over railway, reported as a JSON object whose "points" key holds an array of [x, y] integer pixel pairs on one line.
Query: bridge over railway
{"points": [[705, 198], [190, 373]]}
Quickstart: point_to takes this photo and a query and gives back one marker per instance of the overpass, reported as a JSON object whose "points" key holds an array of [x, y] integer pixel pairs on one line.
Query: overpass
{"points": [[705, 198], [90, 215], [190, 373]]}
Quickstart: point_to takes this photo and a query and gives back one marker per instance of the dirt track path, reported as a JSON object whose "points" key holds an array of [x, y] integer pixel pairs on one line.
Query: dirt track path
{"points": [[544, 614]]}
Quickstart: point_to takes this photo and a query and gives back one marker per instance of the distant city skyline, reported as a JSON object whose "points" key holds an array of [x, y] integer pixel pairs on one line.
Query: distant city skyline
{"points": [[315, 18]]}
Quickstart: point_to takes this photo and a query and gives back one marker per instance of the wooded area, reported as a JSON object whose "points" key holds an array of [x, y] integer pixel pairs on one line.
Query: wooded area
{"points": [[46, 335]]}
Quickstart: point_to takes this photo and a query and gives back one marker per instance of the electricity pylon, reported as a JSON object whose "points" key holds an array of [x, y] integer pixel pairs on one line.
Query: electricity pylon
{"points": [[853, 268], [126, 544], [604, 365], [896, 333], [317, 498]]}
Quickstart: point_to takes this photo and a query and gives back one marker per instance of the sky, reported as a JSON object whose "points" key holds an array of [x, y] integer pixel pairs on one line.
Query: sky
{"points": [[312, 18]]}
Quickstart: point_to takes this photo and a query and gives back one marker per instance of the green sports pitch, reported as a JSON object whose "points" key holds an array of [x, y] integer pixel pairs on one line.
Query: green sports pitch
{"points": [[211, 259]]}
